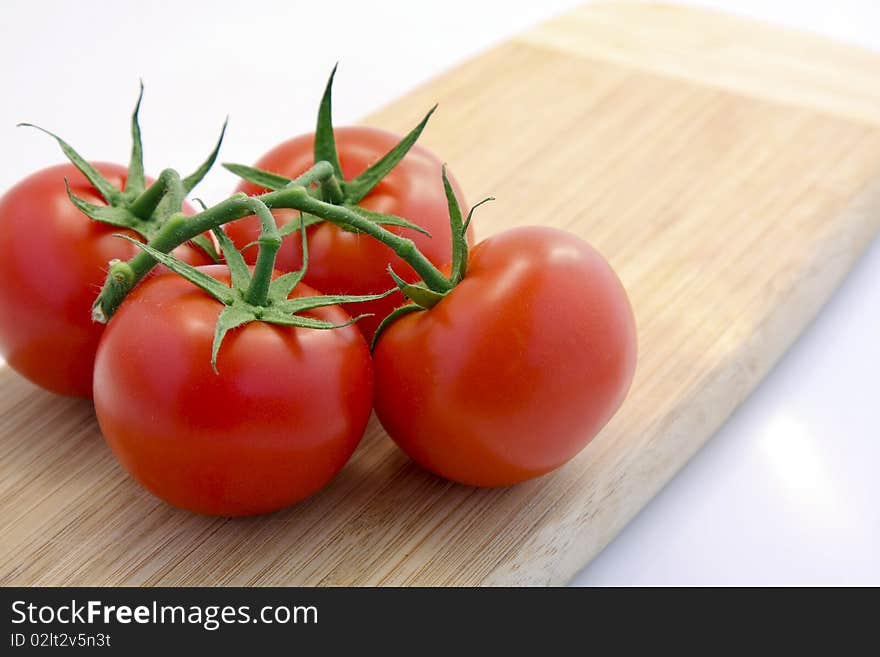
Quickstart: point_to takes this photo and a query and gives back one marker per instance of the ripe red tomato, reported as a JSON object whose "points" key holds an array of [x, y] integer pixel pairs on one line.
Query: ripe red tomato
{"points": [[342, 262], [516, 369], [283, 415], [53, 260]]}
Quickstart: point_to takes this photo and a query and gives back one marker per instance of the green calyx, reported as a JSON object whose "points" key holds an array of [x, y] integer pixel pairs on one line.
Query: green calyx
{"points": [[254, 296], [335, 189], [423, 296], [137, 207]]}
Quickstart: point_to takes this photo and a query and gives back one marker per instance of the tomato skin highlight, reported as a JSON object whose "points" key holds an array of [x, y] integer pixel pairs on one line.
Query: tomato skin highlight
{"points": [[517, 369], [285, 413], [342, 262], [53, 261]]}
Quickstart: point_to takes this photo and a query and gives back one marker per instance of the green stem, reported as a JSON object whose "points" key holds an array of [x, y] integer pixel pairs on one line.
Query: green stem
{"points": [[178, 229], [319, 172], [402, 246], [332, 190], [168, 182], [269, 241]]}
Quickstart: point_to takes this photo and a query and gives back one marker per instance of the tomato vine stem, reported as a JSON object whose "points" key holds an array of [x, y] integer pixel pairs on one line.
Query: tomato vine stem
{"points": [[269, 243], [168, 184], [332, 190], [178, 229]]}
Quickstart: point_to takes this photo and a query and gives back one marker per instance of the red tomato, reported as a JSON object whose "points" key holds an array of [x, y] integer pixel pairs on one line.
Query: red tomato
{"points": [[283, 415], [515, 371], [53, 260], [342, 262]]}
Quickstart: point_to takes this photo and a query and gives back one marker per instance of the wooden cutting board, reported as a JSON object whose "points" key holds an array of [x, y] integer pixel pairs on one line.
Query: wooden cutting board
{"points": [[729, 171]]}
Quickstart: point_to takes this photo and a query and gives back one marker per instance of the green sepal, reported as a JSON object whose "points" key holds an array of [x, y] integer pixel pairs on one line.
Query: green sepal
{"points": [[120, 217], [265, 179], [418, 293], [201, 280], [135, 182], [392, 317], [357, 188], [467, 221], [459, 229], [325, 140], [238, 269], [282, 286], [301, 304], [386, 219], [459, 236], [206, 245], [230, 317], [109, 193], [275, 181], [274, 316], [196, 176]]}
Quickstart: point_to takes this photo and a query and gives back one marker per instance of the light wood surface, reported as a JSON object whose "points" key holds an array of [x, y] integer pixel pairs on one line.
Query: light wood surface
{"points": [[731, 174]]}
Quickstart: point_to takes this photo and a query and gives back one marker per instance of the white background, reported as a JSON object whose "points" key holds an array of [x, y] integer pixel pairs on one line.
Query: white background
{"points": [[786, 493]]}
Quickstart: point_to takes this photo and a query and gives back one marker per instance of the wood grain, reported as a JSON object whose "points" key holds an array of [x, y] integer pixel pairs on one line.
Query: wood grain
{"points": [[730, 172]]}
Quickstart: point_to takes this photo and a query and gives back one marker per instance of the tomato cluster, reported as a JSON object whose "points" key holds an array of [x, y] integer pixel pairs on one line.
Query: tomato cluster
{"points": [[242, 387]]}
